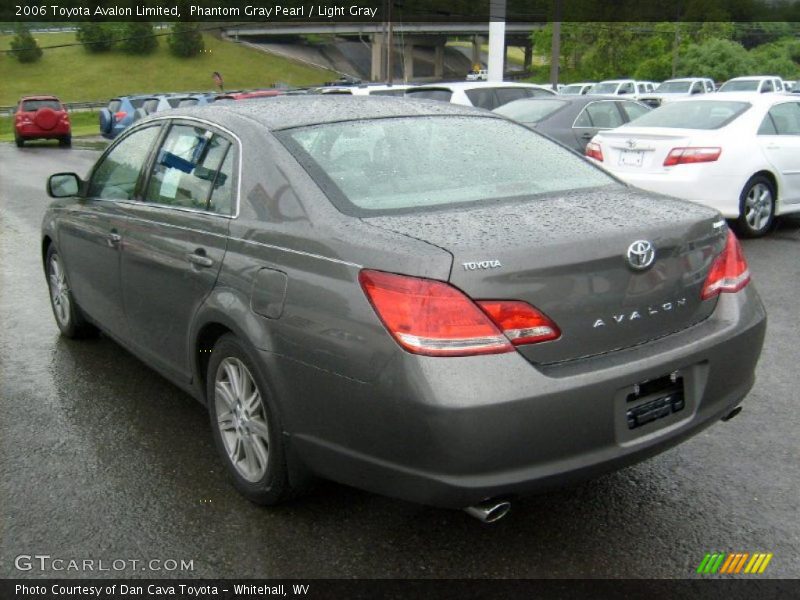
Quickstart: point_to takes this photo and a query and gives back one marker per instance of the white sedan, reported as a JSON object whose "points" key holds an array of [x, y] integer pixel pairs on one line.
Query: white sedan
{"points": [[738, 153]]}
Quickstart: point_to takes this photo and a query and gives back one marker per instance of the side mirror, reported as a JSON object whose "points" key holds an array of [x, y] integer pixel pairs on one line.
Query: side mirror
{"points": [[63, 185]]}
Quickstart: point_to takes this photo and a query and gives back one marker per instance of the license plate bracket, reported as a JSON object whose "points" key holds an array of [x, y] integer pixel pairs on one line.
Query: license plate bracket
{"points": [[654, 399]]}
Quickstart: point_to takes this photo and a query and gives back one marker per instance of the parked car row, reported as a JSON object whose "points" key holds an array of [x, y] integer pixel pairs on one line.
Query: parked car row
{"points": [[736, 152]]}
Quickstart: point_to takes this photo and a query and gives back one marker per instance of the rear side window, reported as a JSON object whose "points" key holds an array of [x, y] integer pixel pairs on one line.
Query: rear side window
{"points": [[506, 95], [138, 102], [388, 93], [187, 102], [626, 88], [150, 105], [116, 176], [599, 115], [409, 164], [430, 94], [694, 114], [633, 110], [34, 105], [187, 171], [114, 106], [484, 98], [783, 119]]}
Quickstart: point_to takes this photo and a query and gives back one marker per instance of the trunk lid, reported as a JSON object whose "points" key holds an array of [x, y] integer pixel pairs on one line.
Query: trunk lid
{"points": [[642, 150], [566, 256]]}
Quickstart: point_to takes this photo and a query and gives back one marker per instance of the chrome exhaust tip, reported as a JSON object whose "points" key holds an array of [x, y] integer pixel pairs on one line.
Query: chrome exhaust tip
{"points": [[489, 511], [732, 414]]}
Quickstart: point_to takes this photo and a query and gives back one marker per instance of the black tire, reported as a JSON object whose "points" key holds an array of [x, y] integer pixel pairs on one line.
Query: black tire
{"points": [[65, 141], [70, 321], [756, 207], [19, 141], [273, 486]]}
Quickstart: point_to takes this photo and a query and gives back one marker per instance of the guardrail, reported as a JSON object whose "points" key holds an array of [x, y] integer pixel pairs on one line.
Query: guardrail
{"points": [[71, 107]]}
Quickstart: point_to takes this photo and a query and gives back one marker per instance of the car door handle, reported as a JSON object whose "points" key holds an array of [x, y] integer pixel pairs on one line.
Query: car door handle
{"points": [[113, 239], [588, 136], [773, 147], [199, 258]]}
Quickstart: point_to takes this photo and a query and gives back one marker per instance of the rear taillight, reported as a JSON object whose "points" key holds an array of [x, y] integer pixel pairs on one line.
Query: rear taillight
{"points": [[436, 319], [520, 322], [593, 150], [685, 156], [431, 317], [120, 115], [729, 272]]}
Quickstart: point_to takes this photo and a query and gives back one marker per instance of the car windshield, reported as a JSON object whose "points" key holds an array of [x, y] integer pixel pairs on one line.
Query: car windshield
{"points": [[746, 85], [410, 164], [571, 90], [34, 105], [674, 87], [604, 88], [530, 111], [697, 114]]}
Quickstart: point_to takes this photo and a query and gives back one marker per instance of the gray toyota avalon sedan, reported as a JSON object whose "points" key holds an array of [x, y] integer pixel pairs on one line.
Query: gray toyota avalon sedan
{"points": [[414, 298]]}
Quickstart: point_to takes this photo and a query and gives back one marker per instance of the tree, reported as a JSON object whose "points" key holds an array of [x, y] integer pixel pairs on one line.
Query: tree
{"points": [[718, 59], [185, 40], [95, 37], [137, 38], [24, 46]]}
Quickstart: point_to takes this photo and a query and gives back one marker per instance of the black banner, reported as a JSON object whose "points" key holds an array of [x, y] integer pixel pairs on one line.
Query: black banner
{"points": [[312, 589], [400, 11]]}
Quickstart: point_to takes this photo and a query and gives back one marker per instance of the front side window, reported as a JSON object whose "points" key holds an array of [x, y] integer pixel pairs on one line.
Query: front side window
{"points": [[530, 111], [626, 88], [116, 175], [414, 164], [187, 171]]}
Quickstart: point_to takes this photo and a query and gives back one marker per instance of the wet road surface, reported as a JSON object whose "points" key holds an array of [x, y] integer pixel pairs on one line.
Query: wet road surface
{"points": [[101, 458]]}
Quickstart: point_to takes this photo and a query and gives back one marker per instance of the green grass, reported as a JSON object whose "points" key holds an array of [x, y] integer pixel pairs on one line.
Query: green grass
{"points": [[75, 75], [83, 123]]}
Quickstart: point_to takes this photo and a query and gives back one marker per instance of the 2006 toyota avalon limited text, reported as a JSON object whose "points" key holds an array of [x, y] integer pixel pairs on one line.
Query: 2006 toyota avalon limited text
{"points": [[414, 298]]}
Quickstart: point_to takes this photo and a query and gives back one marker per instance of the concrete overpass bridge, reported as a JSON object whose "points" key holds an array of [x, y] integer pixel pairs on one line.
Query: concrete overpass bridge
{"points": [[409, 39]]}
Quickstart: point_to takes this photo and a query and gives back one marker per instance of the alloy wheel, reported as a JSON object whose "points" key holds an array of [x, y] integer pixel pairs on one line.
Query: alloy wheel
{"points": [[59, 291], [242, 419], [758, 207]]}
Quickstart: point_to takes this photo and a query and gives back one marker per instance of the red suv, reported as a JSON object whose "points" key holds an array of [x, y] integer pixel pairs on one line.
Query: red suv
{"points": [[42, 117]]}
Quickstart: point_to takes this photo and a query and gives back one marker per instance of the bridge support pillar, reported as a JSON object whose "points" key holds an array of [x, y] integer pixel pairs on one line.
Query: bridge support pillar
{"points": [[438, 61], [477, 42], [528, 57], [378, 69], [408, 62]]}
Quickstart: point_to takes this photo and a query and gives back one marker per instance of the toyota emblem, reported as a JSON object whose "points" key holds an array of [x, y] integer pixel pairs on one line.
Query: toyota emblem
{"points": [[641, 255], [631, 143]]}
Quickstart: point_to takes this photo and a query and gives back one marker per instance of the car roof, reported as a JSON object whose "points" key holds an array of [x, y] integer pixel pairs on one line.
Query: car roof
{"points": [[754, 78], [749, 97], [287, 112], [42, 97], [469, 85]]}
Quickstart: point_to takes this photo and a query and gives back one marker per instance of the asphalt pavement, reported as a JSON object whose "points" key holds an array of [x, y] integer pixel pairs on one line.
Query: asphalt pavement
{"points": [[102, 459]]}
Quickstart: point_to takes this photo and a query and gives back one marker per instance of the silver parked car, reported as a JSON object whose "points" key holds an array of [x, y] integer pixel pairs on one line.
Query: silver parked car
{"points": [[415, 298]]}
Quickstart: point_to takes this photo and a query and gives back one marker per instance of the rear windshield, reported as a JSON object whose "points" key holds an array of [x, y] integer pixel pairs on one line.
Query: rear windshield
{"points": [[572, 90], [530, 111], [34, 105], [750, 85], [114, 106], [697, 114], [674, 87], [604, 88], [430, 94], [410, 164]]}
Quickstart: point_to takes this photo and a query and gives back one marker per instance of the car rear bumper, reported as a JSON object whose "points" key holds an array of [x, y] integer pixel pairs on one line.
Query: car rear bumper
{"points": [[33, 132], [453, 432]]}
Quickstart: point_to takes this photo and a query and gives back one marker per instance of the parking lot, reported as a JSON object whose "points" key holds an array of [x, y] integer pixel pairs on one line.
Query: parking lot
{"points": [[102, 458]]}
